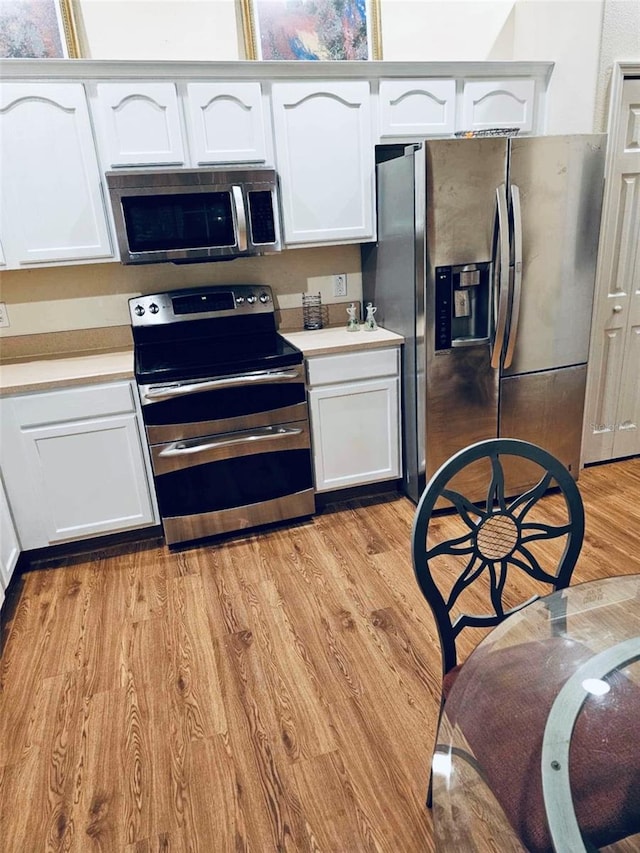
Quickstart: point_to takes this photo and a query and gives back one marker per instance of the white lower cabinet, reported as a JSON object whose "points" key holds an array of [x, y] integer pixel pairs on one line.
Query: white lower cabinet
{"points": [[75, 464], [355, 416], [9, 544]]}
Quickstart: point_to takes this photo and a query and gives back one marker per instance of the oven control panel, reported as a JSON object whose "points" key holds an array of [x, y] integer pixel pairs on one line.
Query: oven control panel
{"points": [[201, 303]]}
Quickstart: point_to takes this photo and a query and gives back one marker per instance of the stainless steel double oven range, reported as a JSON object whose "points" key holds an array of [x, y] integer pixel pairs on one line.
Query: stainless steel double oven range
{"points": [[224, 405]]}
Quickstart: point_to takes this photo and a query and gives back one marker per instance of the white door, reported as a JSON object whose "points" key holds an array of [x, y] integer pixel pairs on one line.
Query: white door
{"points": [[90, 475], [355, 433], [612, 413], [52, 208], [140, 124], [325, 159], [226, 123]]}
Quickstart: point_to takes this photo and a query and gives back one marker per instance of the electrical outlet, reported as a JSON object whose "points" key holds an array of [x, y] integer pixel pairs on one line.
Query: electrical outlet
{"points": [[340, 284], [4, 317]]}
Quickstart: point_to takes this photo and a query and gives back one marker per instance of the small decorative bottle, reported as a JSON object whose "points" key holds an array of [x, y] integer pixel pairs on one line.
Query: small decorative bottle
{"points": [[352, 322], [370, 324]]}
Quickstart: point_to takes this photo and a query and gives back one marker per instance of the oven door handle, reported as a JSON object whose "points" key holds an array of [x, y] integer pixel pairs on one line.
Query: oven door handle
{"points": [[186, 448], [166, 392]]}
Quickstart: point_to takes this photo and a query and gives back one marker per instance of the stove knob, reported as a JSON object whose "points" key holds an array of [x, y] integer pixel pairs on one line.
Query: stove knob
{"points": [[264, 297], [153, 308], [139, 310], [239, 300], [251, 299]]}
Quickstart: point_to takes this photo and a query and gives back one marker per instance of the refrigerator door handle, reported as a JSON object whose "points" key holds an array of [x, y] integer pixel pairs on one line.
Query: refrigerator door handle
{"points": [[517, 274], [502, 283]]}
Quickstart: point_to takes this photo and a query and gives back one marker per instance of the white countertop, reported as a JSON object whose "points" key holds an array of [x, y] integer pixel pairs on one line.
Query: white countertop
{"points": [[338, 339], [45, 374], [48, 373]]}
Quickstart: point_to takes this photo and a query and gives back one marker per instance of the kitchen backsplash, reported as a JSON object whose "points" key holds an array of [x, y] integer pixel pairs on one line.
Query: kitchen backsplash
{"points": [[84, 307]]}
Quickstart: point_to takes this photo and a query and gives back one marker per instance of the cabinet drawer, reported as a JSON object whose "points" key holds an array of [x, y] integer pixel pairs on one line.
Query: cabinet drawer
{"points": [[345, 367], [74, 404]]}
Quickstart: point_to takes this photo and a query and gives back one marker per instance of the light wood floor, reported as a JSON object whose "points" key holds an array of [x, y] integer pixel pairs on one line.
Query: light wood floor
{"points": [[266, 693]]}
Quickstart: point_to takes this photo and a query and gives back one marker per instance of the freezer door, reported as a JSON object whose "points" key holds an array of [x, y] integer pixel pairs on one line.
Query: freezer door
{"points": [[462, 408], [560, 182], [461, 181], [462, 176], [546, 409]]}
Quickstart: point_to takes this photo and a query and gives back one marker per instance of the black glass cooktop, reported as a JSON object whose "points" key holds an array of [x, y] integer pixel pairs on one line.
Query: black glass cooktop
{"points": [[210, 357]]}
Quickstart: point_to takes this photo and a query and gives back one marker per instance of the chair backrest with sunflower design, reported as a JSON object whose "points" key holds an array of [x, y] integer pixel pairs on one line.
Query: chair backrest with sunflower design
{"points": [[478, 561]]}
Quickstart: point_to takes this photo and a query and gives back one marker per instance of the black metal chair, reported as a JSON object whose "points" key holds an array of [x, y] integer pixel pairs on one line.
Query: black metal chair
{"points": [[489, 541], [478, 553]]}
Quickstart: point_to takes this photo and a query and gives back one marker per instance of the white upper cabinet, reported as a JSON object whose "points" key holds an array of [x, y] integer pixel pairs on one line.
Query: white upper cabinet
{"points": [[226, 123], [52, 209], [325, 159], [498, 103], [416, 108], [140, 124]]}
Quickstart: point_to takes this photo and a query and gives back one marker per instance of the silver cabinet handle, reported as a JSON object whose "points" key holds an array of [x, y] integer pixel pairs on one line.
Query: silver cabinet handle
{"points": [[617, 309], [502, 295], [166, 392], [241, 217], [517, 274], [185, 448]]}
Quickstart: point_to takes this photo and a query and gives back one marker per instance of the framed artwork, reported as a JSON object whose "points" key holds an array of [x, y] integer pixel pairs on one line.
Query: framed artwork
{"points": [[311, 29], [38, 29]]}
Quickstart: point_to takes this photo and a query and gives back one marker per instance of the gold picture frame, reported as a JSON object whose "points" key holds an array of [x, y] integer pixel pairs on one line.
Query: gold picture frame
{"points": [[69, 29], [38, 29], [291, 32]]}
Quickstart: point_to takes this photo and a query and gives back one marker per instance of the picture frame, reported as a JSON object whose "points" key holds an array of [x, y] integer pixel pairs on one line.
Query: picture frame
{"points": [[38, 29], [311, 29]]}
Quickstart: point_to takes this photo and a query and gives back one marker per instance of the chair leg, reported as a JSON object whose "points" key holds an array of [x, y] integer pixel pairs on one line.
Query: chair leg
{"points": [[430, 789], [435, 745]]}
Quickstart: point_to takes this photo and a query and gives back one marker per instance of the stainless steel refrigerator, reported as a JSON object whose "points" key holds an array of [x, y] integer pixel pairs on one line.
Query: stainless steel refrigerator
{"points": [[485, 262]]}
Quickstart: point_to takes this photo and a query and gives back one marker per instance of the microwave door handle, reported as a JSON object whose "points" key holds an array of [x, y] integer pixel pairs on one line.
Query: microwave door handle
{"points": [[502, 282], [241, 216], [517, 274]]}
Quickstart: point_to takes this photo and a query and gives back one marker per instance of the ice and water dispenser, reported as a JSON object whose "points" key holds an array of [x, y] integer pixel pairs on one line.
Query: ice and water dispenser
{"points": [[462, 305]]}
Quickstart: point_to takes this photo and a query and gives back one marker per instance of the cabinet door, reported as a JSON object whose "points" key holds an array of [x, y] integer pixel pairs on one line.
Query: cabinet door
{"points": [[75, 463], [140, 124], [325, 159], [52, 207], [9, 545], [91, 476], [498, 103], [416, 108], [226, 123], [355, 433]]}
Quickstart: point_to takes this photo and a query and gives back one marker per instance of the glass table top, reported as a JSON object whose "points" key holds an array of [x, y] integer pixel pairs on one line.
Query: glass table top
{"points": [[539, 743]]}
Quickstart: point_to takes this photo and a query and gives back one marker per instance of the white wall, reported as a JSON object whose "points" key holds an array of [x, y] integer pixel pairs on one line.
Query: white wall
{"points": [[567, 32], [441, 30], [159, 29], [620, 43]]}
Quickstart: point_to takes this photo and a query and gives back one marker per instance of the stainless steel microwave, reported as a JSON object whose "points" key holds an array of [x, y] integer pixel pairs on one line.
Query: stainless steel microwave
{"points": [[194, 215]]}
